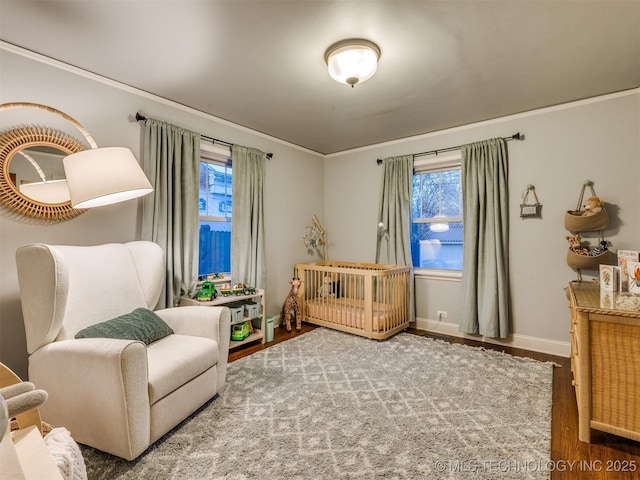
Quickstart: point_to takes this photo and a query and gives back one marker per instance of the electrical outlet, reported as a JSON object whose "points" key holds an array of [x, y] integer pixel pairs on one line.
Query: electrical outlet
{"points": [[442, 314]]}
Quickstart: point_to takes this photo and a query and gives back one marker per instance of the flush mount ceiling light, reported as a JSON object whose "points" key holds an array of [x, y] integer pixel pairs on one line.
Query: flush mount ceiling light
{"points": [[352, 61], [441, 226]]}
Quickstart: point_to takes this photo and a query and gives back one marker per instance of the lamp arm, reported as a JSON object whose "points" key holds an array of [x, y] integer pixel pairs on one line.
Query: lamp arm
{"points": [[73, 121]]}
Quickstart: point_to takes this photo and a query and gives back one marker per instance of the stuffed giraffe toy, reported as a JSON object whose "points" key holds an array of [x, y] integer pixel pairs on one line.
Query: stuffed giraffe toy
{"points": [[292, 303]]}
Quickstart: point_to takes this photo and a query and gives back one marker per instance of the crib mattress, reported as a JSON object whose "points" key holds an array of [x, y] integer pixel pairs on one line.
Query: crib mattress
{"points": [[349, 312]]}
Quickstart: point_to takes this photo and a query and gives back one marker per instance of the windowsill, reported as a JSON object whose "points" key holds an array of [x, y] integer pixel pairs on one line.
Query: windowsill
{"points": [[433, 274]]}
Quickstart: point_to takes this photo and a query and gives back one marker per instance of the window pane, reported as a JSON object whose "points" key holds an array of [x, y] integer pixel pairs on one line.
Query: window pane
{"points": [[215, 190], [215, 247], [437, 193], [441, 250]]}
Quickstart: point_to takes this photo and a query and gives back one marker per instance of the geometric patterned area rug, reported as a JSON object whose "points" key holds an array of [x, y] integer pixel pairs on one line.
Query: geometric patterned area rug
{"points": [[330, 405]]}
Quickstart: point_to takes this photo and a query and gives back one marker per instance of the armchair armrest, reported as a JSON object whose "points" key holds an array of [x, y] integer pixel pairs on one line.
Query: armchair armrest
{"points": [[201, 321], [98, 389], [198, 321]]}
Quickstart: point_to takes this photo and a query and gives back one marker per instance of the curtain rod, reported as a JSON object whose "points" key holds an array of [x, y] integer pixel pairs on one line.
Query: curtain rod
{"points": [[515, 136], [206, 137]]}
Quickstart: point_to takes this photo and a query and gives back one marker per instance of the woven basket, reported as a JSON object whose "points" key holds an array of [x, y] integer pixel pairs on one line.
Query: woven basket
{"points": [[586, 262], [577, 221]]}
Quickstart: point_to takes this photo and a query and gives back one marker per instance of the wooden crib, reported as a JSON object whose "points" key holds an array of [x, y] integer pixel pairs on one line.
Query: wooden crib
{"points": [[366, 299]]}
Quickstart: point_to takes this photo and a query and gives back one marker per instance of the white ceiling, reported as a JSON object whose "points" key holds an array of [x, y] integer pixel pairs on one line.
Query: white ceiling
{"points": [[260, 64]]}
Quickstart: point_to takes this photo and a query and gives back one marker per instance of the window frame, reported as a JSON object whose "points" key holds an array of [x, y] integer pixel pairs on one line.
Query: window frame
{"points": [[434, 165]]}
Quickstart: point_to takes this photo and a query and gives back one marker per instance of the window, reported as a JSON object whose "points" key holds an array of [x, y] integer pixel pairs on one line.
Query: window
{"points": [[215, 212], [436, 214]]}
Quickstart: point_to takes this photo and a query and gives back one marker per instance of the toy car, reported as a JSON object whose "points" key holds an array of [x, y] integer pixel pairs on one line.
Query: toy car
{"points": [[240, 331], [237, 289], [207, 292], [226, 290]]}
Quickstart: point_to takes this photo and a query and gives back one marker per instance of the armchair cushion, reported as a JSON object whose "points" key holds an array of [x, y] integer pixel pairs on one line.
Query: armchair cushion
{"points": [[142, 324], [177, 359]]}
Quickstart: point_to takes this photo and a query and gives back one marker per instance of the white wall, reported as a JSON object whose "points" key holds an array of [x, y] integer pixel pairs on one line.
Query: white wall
{"points": [[597, 139], [294, 179]]}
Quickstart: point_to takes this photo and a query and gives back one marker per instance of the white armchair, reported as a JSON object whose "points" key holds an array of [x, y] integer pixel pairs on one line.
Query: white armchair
{"points": [[118, 396]]}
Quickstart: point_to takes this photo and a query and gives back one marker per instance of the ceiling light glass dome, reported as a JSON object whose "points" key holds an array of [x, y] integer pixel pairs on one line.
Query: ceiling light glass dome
{"points": [[352, 61]]}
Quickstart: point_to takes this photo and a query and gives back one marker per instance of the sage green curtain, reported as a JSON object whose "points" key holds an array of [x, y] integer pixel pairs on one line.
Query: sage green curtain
{"points": [[394, 245], [171, 161], [485, 279], [247, 231]]}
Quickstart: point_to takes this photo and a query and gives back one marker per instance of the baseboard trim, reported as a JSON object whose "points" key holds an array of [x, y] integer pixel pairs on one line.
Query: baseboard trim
{"points": [[526, 342]]}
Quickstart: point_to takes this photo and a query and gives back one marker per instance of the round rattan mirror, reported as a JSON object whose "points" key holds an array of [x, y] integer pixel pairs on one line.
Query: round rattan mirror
{"points": [[25, 154]]}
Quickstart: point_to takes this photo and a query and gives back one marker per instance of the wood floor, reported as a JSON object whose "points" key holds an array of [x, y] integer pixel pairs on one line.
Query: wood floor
{"points": [[606, 457]]}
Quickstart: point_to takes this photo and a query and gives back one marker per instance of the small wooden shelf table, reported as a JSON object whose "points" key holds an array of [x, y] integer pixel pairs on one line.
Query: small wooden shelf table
{"points": [[258, 321]]}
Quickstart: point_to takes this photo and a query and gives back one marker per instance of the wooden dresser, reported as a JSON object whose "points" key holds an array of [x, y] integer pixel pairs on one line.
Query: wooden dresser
{"points": [[605, 361]]}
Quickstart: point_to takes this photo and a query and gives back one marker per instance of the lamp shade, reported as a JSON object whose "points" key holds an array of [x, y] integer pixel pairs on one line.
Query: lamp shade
{"points": [[352, 61], [103, 176], [51, 192]]}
